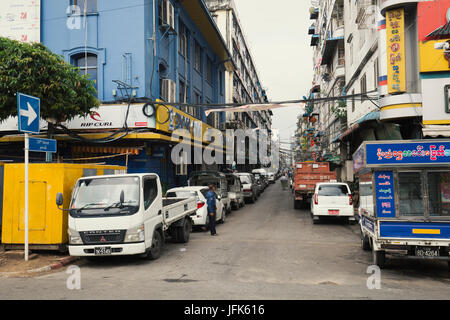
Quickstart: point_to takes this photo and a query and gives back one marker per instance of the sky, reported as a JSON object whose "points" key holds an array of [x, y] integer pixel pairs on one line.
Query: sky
{"points": [[277, 34]]}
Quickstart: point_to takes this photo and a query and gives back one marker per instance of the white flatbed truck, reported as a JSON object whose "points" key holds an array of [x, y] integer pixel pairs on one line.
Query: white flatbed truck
{"points": [[125, 215]]}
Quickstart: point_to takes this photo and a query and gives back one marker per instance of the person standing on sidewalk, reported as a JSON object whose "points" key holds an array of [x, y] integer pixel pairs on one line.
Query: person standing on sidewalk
{"points": [[211, 202]]}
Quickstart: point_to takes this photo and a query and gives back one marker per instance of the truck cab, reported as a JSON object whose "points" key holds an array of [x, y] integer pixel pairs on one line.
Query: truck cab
{"points": [[125, 215]]}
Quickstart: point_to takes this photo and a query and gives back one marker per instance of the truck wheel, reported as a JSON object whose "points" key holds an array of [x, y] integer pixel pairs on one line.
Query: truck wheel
{"points": [[379, 258], [154, 252], [365, 242], [184, 232], [316, 220]]}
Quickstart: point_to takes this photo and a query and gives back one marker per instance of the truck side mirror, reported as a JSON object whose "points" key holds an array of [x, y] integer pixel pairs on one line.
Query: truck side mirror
{"points": [[59, 199]]}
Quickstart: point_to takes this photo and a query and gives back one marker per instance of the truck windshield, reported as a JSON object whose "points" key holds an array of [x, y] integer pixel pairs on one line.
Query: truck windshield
{"points": [[102, 196]]}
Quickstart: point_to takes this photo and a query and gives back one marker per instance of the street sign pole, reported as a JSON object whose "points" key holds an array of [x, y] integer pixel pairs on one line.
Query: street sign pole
{"points": [[28, 113], [27, 146]]}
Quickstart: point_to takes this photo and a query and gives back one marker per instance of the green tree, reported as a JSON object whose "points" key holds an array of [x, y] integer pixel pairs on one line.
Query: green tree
{"points": [[34, 70]]}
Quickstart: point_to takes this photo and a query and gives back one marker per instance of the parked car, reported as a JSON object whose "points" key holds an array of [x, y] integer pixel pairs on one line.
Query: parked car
{"points": [[249, 186], [218, 179], [259, 185], [200, 217], [260, 174], [271, 177], [235, 191], [332, 199]]}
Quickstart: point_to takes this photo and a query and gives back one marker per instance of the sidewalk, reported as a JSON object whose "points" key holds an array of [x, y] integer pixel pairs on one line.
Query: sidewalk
{"points": [[13, 264]]}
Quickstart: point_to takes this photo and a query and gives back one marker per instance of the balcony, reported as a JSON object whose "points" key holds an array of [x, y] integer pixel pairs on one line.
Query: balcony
{"points": [[329, 49], [313, 13], [314, 40]]}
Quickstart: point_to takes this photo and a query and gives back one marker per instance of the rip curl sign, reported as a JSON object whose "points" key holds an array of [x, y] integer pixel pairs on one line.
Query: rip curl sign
{"points": [[419, 153]]}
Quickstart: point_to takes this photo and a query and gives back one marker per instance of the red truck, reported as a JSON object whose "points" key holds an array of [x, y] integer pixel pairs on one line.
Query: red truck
{"points": [[306, 175]]}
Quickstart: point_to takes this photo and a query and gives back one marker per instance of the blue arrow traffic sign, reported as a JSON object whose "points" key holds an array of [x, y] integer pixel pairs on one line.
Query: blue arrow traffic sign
{"points": [[42, 145], [28, 110]]}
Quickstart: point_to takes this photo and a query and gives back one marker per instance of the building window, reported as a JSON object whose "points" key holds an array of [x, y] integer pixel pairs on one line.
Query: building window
{"points": [[183, 39], [87, 65], [183, 95], [211, 117], [363, 83], [91, 5], [376, 73], [353, 100], [220, 82], [198, 61], [209, 70], [194, 110]]}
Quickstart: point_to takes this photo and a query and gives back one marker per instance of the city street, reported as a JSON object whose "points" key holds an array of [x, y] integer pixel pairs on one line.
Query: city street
{"points": [[266, 250]]}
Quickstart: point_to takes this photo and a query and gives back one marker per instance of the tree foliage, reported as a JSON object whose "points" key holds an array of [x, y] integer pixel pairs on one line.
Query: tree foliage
{"points": [[34, 70]]}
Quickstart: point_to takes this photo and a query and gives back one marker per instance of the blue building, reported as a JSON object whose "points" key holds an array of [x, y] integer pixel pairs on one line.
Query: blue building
{"points": [[140, 49]]}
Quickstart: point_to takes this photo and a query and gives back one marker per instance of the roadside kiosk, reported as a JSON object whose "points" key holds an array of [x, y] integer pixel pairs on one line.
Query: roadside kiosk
{"points": [[404, 191]]}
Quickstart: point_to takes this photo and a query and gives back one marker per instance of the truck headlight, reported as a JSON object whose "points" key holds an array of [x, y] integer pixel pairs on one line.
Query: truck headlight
{"points": [[135, 234], [74, 237]]}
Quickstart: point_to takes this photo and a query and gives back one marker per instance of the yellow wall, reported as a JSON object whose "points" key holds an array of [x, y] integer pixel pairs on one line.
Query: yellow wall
{"points": [[47, 224], [431, 59]]}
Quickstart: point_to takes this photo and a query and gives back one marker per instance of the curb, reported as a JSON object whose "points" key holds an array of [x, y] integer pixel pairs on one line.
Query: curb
{"points": [[63, 262]]}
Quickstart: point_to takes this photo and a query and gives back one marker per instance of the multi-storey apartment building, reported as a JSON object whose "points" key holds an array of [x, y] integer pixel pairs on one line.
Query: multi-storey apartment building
{"points": [[242, 84], [395, 76], [327, 118], [138, 51]]}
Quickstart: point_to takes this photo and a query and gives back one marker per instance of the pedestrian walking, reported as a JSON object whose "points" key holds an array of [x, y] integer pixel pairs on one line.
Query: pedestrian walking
{"points": [[211, 203], [284, 182]]}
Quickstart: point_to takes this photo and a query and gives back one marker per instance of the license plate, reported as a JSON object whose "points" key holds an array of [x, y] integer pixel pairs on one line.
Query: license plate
{"points": [[427, 252], [333, 212], [102, 250]]}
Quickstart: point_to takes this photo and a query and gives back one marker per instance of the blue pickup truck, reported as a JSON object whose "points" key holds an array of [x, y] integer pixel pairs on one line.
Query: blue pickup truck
{"points": [[404, 199]]}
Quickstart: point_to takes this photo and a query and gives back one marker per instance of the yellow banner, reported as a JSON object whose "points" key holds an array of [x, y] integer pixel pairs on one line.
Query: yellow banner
{"points": [[395, 44], [170, 119]]}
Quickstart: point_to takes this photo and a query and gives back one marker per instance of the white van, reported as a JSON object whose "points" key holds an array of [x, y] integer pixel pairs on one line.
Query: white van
{"points": [[332, 199]]}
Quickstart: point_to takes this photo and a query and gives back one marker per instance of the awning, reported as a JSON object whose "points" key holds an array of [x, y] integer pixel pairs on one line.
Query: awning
{"points": [[443, 31], [436, 131], [329, 47], [375, 115], [110, 150]]}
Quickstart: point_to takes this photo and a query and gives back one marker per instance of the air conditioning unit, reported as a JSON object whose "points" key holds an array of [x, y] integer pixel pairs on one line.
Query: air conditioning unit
{"points": [[168, 90], [168, 14]]}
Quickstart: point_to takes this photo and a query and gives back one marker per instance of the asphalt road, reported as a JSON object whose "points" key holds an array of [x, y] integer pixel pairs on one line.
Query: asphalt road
{"points": [[266, 250]]}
